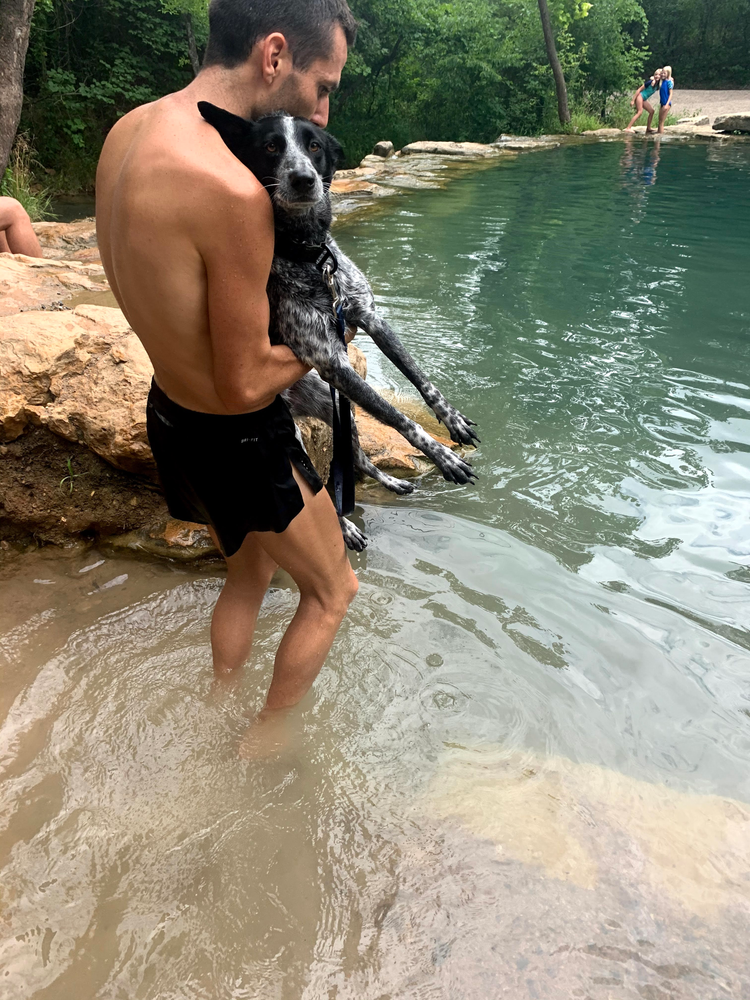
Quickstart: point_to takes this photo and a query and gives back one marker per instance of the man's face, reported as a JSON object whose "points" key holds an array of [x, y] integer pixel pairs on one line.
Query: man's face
{"points": [[306, 93]]}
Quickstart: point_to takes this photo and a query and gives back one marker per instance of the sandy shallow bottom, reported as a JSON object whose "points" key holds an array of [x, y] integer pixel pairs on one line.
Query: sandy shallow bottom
{"points": [[419, 835]]}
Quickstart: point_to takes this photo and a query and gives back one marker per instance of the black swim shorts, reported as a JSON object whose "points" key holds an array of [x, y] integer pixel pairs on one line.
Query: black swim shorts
{"points": [[233, 472]]}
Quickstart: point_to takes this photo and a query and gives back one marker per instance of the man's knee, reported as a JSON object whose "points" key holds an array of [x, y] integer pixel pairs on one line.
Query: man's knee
{"points": [[335, 600], [12, 212]]}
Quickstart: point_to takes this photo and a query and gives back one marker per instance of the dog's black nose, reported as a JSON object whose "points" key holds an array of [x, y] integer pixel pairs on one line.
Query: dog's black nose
{"points": [[302, 180]]}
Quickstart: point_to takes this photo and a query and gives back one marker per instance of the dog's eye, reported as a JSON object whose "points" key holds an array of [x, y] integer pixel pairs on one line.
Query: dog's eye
{"points": [[271, 147], [314, 147]]}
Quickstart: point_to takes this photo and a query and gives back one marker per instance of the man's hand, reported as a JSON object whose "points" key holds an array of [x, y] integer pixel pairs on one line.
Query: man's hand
{"points": [[351, 333]]}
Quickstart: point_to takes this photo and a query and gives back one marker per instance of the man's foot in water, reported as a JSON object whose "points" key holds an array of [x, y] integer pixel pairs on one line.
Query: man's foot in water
{"points": [[271, 733]]}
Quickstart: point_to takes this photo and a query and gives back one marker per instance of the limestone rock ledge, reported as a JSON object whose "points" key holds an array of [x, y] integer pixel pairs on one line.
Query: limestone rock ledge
{"points": [[739, 121], [74, 455]]}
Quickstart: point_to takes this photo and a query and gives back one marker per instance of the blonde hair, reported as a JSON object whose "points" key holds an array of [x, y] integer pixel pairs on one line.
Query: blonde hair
{"points": [[667, 71]]}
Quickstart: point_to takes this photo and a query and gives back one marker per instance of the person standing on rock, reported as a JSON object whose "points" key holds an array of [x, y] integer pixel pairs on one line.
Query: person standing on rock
{"points": [[641, 101], [666, 90], [16, 232], [186, 235]]}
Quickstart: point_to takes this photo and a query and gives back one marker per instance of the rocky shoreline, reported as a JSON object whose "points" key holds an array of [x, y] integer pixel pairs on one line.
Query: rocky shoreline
{"points": [[75, 466]]}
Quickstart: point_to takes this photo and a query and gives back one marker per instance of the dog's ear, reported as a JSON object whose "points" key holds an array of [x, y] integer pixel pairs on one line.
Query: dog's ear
{"points": [[228, 126], [334, 155]]}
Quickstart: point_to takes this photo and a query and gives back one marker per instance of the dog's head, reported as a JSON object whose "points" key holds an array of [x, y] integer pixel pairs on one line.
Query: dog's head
{"points": [[294, 159]]}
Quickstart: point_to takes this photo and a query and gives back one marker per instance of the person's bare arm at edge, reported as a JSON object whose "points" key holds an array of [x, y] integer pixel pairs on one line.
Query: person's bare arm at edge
{"points": [[236, 244]]}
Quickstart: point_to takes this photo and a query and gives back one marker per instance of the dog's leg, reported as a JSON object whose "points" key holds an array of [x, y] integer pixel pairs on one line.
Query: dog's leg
{"points": [[459, 427], [311, 397], [353, 537], [338, 372]]}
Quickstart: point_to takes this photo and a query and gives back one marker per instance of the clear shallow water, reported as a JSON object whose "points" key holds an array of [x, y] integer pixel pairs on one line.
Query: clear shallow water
{"points": [[524, 770]]}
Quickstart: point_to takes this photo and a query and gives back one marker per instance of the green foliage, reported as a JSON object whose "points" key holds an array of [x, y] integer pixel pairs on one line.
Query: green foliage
{"points": [[707, 44], [91, 61], [18, 181], [470, 69], [441, 69]]}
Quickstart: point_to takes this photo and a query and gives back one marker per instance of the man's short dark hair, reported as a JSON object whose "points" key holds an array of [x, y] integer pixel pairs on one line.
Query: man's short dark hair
{"points": [[236, 25]]}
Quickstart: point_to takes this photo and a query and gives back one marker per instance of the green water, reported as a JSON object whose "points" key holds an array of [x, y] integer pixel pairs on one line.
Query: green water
{"points": [[593, 315], [524, 770]]}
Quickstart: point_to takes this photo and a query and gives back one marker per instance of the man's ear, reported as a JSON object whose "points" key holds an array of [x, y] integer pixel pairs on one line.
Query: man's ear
{"points": [[228, 126]]}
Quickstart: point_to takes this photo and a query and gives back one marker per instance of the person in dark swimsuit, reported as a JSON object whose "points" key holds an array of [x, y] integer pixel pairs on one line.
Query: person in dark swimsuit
{"points": [[641, 100]]}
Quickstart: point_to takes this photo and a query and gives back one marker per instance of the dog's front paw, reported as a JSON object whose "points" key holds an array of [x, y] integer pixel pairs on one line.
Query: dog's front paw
{"points": [[353, 537], [454, 468], [401, 487], [459, 427]]}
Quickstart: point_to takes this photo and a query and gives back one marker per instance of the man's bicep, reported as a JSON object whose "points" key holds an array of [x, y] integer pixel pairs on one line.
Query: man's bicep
{"points": [[238, 255]]}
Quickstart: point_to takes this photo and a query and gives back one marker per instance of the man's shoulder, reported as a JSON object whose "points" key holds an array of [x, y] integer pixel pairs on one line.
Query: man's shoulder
{"points": [[167, 143]]}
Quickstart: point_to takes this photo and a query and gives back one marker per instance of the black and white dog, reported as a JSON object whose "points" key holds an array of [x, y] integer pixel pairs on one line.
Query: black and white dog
{"points": [[296, 160]]}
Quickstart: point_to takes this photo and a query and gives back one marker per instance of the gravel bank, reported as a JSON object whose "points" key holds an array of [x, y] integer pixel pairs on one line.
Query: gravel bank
{"points": [[710, 102]]}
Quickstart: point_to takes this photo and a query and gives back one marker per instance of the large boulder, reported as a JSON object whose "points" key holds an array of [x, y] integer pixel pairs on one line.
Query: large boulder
{"points": [[739, 121], [84, 375]]}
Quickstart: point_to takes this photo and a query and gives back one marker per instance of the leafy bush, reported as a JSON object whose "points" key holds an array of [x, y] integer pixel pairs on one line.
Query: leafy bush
{"points": [[18, 181], [707, 44]]}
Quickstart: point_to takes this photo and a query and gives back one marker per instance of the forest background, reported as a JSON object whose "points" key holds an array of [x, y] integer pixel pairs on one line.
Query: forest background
{"points": [[462, 70]]}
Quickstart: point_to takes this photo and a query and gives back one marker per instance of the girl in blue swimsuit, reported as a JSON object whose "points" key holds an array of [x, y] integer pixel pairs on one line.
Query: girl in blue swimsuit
{"points": [[665, 95], [640, 99]]}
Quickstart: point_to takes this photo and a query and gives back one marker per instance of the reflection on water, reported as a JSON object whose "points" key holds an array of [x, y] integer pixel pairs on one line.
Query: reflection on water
{"points": [[638, 164], [524, 770]]}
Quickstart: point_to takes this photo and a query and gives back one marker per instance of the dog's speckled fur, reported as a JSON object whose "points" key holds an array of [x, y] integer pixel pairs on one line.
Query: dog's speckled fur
{"points": [[296, 161]]}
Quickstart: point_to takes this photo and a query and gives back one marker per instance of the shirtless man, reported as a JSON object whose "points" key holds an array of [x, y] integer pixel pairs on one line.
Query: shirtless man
{"points": [[186, 238]]}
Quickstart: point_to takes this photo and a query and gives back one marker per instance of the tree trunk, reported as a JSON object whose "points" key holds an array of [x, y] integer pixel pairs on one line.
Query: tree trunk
{"points": [[195, 62], [554, 61], [15, 24]]}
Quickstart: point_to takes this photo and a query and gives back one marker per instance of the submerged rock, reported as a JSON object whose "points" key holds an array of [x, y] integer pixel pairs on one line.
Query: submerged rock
{"points": [[580, 822]]}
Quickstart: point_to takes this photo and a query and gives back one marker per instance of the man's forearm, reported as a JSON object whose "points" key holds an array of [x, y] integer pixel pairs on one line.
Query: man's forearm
{"points": [[287, 367], [281, 369]]}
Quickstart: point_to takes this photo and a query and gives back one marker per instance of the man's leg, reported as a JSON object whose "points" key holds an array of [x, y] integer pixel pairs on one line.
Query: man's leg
{"points": [[312, 551], [16, 232], [249, 573]]}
